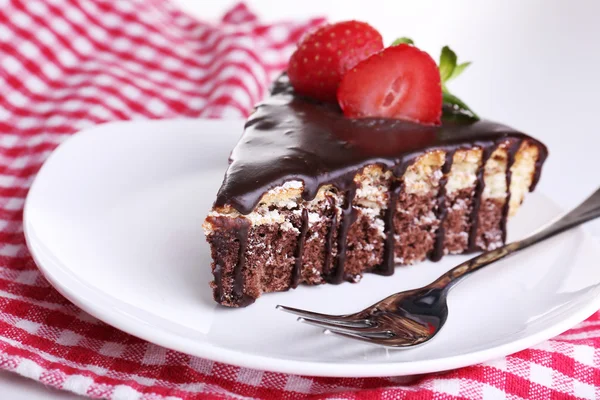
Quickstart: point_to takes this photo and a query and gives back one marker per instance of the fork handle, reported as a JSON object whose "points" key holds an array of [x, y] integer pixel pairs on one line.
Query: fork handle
{"points": [[584, 212]]}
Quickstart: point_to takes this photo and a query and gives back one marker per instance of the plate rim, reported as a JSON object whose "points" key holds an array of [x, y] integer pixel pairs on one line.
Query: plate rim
{"points": [[97, 306]]}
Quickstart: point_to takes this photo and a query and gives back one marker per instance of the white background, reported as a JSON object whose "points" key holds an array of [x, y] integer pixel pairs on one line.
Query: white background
{"points": [[535, 67]]}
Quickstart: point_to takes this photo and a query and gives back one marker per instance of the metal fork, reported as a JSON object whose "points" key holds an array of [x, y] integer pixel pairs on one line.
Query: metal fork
{"points": [[413, 317]]}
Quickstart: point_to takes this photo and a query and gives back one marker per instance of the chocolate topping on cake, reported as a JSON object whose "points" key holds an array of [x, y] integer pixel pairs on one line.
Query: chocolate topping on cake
{"points": [[290, 137]]}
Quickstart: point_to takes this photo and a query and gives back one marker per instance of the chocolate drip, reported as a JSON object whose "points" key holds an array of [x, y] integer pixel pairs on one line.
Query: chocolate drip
{"points": [[218, 276], [238, 272], [487, 151], [329, 238], [440, 235], [510, 152], [348, 217], [541, 158], [300, 250], [241, 227], [387, 266]]}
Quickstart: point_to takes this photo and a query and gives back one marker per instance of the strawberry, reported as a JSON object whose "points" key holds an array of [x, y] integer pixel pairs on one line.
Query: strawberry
{"points": [[324, 56], [399, 82]]}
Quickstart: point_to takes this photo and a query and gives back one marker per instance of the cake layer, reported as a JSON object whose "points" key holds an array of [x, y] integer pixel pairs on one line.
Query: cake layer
{"points": [[445, 201]]}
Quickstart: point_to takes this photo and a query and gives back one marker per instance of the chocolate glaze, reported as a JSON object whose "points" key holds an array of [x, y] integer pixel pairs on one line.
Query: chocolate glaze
{"points": [[511, 152], [329, 238], [218, 276], [440, 235], [348, 217], [238, 274], [241, 227], [479, 186], [300, 250], [387, 266], [289, 137]]}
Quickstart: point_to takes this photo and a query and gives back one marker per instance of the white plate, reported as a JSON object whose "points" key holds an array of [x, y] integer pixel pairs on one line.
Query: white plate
{"points": [[113, 221]]}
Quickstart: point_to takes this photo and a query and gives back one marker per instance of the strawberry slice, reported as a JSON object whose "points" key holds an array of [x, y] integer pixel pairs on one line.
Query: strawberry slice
{"points": [[324, 56], [399, 82]]}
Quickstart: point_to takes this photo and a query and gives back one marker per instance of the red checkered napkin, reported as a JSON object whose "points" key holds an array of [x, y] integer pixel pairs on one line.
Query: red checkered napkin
{"points": [[69, 64]]}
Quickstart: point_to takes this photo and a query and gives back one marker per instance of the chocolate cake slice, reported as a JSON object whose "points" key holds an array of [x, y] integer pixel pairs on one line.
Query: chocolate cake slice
{"points": [[311, 196]]}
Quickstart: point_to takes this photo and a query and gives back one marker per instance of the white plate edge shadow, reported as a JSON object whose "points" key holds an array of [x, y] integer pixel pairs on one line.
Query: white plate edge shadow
{"points": [[103, 308]]}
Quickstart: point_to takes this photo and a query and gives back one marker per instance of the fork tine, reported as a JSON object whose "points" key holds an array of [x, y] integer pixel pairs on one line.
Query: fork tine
{"points": [[362, 332], [361, 338], [335, 320]]}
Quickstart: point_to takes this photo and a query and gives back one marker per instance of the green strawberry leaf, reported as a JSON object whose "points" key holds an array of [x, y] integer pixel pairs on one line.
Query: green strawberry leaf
{"points": [[458, 70], [403, 40], [458, 105], [450, 70], [447, 63]]}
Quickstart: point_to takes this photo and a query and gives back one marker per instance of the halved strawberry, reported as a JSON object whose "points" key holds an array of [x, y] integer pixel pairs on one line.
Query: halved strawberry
{"points": [[323, 57], [399, 82]]}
